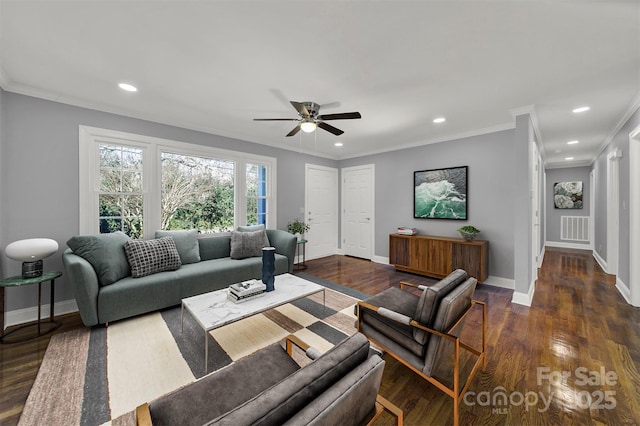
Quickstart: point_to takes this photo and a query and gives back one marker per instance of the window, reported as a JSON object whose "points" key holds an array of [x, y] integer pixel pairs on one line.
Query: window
{"points": [[120, 197], [138, 184], [197, 193], [256, 194]]}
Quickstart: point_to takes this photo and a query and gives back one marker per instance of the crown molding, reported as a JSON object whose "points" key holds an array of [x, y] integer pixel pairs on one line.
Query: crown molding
{"points": [[633, 107]]}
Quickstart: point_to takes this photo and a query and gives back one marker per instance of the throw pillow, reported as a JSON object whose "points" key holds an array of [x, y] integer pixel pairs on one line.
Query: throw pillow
{"points": [[186, 243], [147, 257], [105, 252], [246, 244], [253, 228]]}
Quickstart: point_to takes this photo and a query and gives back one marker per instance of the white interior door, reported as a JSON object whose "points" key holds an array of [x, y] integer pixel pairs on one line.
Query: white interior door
{"points": [[535, 205], [321, 210], [358, 210]]}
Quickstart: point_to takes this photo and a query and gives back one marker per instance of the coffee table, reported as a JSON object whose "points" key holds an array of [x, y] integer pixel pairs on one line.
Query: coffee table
{"points": [[212, 310]]}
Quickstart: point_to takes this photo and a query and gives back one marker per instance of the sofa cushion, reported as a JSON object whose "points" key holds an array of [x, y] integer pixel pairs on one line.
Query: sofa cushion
{"points": [[451, 308], [246, 244], [214, 247], [148, 257], [277, 404], [399, 301], [253, 228], [204, 400], [348, 402], [430, 300], [105, 252], [186, 243]]}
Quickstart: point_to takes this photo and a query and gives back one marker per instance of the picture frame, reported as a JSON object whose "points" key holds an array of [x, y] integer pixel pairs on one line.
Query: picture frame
{"points": [[441, 193], [567, 195]]}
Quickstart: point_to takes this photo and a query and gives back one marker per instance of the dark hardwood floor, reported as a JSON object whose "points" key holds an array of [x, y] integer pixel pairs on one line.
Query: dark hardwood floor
{"points": [[578, 325]]}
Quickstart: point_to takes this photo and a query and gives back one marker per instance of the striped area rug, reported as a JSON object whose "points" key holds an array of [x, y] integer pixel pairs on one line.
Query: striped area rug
{"points": [[98, 376]]}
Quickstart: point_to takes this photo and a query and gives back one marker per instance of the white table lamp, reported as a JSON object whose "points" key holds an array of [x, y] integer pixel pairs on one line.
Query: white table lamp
{"points": [[31, 252]]}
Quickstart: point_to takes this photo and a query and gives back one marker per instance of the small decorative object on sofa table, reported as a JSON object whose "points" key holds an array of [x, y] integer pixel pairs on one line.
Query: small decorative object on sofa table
{"points": [[298, 227], [31, 252], [268, 267], [469, 232]]}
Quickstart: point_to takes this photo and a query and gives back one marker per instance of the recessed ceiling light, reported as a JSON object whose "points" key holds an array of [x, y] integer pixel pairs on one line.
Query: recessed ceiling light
{"points": [[572, 142], [581, 109], [439, 120], [128, 87], [568, 158], [338, 144]]}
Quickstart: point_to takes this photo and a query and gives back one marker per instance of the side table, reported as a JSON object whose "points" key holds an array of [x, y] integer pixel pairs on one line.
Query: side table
{"points": [[17, 281], [301, 248]]}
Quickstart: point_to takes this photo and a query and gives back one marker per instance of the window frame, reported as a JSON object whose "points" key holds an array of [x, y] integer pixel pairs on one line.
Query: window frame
{"points": [[90, 139]]}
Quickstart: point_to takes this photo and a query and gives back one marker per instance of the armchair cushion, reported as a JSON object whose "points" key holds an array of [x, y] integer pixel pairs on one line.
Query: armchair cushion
{"points": [[401, 302], [450, 310], [429, 301]]}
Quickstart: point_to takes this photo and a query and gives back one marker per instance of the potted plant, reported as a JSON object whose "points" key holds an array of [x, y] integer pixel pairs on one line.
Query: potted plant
{"points": [[468, 232], [297, 227]]}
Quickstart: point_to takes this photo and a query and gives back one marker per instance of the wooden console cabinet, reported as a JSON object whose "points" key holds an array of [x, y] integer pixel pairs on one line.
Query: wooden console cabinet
{"points": [[438, 256]]}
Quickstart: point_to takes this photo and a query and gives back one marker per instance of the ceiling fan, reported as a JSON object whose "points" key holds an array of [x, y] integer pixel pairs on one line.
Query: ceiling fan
{"points": [[309, 118]]}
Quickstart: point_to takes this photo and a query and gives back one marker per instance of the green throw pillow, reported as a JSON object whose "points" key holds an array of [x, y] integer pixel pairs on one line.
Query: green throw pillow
{"points": [[186, 243], [253, 228], [105, 252]]}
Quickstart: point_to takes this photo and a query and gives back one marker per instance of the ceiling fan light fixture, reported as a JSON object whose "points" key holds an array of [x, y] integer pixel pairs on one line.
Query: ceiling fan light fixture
{"points": [[308, 126]]}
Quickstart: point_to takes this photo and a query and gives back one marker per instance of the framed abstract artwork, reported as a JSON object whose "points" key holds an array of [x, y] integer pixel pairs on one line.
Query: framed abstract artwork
{"points": [[440, 193], [567, 195]]}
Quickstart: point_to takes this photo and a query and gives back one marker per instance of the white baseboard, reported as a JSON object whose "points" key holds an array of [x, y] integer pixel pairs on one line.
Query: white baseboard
{"points": [[524, 298], [600, 261], [624, 290], [22, 316], [500, 282], [568, 245], [541, 256], [380, 259]]}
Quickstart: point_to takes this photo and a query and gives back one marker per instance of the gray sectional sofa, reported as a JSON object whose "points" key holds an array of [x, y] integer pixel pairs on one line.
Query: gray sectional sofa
{"points": [[105, 290], [340, 387]]}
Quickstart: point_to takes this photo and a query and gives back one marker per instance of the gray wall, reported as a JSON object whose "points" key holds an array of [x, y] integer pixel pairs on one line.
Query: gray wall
{"points": [[39, 167], [491, 192], [2, 182], [619, 141], [553, 215]]}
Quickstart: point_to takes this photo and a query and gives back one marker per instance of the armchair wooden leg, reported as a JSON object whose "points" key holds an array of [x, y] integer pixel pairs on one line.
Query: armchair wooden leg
{"points": [[143, 415], [383, 404]]}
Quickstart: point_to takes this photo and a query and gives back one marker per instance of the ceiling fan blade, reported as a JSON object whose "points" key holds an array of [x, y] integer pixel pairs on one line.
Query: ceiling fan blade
{"points": [[302, 110], [329, 128], [294, 131], [340, 116], [276, 119]]}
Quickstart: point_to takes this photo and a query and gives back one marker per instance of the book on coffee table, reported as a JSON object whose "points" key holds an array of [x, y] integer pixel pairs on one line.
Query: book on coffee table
{"points": [[239, 299], [247, 288]]}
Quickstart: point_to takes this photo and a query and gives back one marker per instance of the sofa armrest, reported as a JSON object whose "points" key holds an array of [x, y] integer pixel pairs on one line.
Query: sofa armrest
{"points": [[85, 286], [284, 243], [310, 351]]}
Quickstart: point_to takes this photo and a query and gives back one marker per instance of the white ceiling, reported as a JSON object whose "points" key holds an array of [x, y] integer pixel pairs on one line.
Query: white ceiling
{"points": [[216, 65]]}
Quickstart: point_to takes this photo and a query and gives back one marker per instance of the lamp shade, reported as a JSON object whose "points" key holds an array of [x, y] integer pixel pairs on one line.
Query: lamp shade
{"points": [[308, 126], [31, 249]]}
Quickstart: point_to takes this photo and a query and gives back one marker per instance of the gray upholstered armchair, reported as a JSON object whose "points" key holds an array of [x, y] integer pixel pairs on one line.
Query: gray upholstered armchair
{"points": [[418, 331]]}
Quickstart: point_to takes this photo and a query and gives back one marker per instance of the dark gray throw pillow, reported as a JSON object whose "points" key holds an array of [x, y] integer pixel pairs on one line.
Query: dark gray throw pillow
{"points": [[147, 257], [186, 243], [246, 244], [105, 252], [253, 228]]}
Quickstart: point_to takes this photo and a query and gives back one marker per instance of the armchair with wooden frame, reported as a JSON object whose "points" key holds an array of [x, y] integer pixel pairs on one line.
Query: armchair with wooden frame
{"points": [[418, 331]]}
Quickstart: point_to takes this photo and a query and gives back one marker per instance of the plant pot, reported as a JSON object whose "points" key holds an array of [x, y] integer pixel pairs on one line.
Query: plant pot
{"points": [[467, 236]]}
